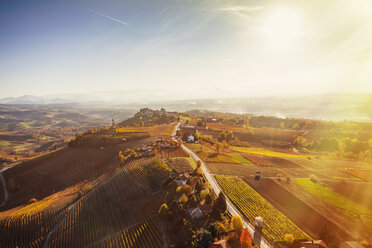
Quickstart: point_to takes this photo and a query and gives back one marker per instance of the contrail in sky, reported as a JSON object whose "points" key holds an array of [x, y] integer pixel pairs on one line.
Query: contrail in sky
{"points": [[109, 17]]}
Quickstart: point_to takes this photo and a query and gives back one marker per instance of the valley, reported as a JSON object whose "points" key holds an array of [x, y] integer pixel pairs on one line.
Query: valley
{"points": [[109, 184]]}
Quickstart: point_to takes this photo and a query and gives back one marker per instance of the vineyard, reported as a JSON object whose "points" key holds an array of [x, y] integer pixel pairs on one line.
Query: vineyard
{"points": [[131, 197], [155, 130], [209, 155], [240, 158], [171, 153], [257, 159], [28, 230], [251, 204], [125, 205], [146, 234], [236, 142], [273, 137], [349, 207], [182, 164], [126, 130], [264, 136]]}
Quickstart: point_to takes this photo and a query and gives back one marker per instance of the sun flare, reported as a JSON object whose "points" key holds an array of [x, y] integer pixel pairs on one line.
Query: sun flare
{"points": [[282, 26]]}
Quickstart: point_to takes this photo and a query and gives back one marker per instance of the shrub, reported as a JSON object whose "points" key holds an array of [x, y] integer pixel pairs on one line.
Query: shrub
{"points": [[313, 178], [236, 223], [288, 238]]}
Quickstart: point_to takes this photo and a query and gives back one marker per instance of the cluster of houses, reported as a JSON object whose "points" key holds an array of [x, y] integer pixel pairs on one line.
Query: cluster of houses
{"points": [[159, 143], [203, 208], [188, 133]]}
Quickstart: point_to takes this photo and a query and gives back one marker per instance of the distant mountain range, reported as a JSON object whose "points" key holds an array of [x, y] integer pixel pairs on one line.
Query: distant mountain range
{"points": [[335, 107]]}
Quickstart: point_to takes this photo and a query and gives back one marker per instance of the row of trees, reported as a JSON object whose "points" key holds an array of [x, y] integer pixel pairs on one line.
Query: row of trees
{"points": [[345, 147]]}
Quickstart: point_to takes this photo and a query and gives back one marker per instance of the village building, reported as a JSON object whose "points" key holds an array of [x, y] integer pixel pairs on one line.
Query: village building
{"points": [[190, 139], [196, 213], [182, 180]]}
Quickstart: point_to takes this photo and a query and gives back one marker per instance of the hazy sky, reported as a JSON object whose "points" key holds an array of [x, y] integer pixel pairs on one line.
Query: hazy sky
{"points": [[244, 47]]}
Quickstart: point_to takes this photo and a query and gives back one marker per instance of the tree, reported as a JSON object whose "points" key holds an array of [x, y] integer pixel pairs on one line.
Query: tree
{"points": [[199, 186], [183, 199], [300, 141], [213, 229], [187, 189], [197, 134], [199, 171], [121, 157], [279, 175], [218, 147], [313, 178], [237, 223], [204, 193], [164, 211], [205, 239], [206, 185], [219, 206], [288, 238], [198, 164], [245, 239]]}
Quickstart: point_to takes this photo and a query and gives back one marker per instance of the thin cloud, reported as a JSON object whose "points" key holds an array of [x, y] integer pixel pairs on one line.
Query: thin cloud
{"points": [[241, 8], [108, 17]]}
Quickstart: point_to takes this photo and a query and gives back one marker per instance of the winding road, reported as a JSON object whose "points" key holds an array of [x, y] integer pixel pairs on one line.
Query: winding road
{"points": [[257, 237]]}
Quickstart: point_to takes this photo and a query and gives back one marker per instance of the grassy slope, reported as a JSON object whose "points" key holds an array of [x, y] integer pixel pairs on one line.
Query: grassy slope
{"points": [[240, 158], [349, 207]]}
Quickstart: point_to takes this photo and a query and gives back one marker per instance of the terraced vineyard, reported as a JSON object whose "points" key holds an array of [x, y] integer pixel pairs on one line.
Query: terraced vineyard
{"points": [[130, 198], [28, 230], [171, 152], [145, 234], [122, 212], [251, 204]]}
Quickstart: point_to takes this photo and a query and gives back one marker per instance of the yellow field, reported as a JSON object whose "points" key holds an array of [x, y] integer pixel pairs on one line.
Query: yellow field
{"points": [[125, 130], [261, 151]]}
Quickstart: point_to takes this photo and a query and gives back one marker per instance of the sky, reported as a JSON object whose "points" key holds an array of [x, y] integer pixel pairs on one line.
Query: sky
{"points": [[240, 48]]}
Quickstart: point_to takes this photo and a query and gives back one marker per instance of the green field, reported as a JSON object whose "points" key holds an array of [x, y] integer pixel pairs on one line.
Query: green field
{"points": [[240, 158], [198, 147], [354, 210], [252, 204], [262, 151], [192, 162]]}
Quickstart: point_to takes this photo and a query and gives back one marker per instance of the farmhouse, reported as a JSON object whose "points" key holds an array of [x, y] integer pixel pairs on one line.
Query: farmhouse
{"points": [[196, 213], [190, 139], [182, 180]]}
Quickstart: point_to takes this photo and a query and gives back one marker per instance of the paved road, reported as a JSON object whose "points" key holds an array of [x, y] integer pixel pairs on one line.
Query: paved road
{"points": [[230, 207]]}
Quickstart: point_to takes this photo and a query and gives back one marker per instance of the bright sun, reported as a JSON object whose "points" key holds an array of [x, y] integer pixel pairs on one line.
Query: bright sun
{"points": [[282, 26]]}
